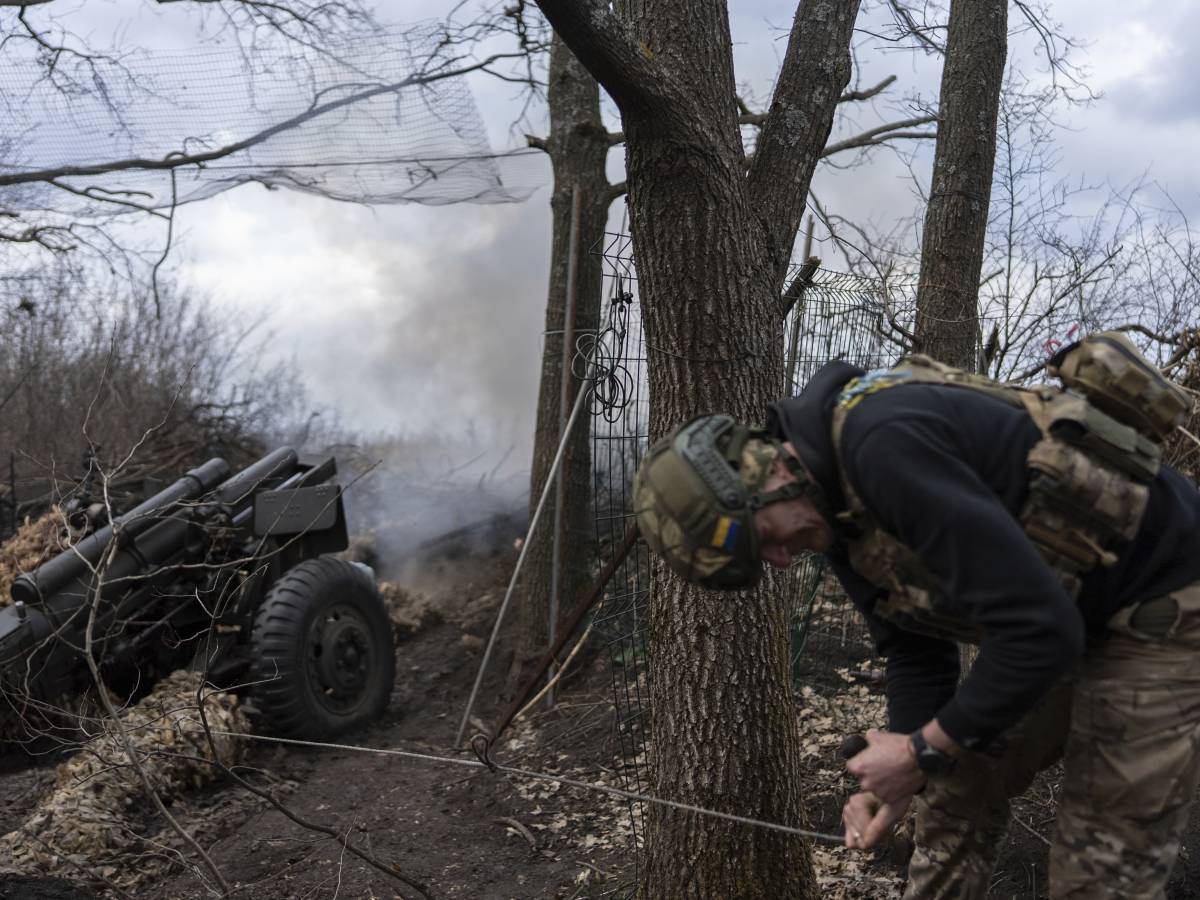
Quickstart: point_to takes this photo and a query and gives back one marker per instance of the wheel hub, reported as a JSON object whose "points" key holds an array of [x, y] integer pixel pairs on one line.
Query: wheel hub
{"points": [[341, 657]]}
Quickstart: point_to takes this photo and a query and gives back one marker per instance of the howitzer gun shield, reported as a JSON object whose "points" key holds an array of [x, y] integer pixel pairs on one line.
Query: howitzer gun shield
{"points": [[296, 511]]}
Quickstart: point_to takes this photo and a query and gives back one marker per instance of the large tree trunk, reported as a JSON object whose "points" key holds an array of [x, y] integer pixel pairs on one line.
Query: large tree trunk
{"points": [[956, 218], [723, 726], [578, 148], [712, 246]]}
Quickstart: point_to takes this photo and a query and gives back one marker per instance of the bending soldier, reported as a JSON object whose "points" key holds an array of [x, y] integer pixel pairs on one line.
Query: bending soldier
{"points": [[1032, 523]]}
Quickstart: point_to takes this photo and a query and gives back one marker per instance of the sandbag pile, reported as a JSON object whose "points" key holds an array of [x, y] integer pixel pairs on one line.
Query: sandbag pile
{"points": [[98, 815], [35, 542]]}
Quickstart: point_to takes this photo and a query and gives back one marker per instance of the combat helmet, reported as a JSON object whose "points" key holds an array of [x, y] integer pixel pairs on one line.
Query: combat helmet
{"points": [[697, 491]]}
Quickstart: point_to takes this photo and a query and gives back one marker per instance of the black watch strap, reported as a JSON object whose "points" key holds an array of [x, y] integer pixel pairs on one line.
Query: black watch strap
{"points": [[931, 761]]}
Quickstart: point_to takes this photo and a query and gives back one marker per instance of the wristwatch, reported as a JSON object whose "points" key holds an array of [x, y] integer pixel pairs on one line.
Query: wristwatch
{"points": [[931, 761]]}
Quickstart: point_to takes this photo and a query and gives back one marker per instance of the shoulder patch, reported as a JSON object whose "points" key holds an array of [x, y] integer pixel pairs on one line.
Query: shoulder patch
{"points": [[870, 383]]}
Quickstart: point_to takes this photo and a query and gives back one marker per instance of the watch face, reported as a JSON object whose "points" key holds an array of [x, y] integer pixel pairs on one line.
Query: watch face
{"points": [[934, 762], [930, 760]]}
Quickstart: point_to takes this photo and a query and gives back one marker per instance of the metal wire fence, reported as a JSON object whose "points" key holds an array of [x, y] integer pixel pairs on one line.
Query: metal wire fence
{"points": [[834, 316]]}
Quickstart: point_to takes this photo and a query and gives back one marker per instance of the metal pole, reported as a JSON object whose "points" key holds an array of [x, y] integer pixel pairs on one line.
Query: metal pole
{"points": [[537, 514], [564, 406]]}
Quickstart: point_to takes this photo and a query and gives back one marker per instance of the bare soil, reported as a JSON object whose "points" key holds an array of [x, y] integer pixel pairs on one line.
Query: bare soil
{"points": [[459, 831], [471, 834]]}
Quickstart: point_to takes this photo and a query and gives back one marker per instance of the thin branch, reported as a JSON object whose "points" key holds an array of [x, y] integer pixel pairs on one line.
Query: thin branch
{"points": [[119, 726], [883, 133], [166, 246], [367, 857], [917, 31], [851, 96]]}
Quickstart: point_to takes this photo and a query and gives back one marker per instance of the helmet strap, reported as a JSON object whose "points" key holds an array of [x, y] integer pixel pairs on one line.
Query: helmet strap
{"points": [[803, 487]]}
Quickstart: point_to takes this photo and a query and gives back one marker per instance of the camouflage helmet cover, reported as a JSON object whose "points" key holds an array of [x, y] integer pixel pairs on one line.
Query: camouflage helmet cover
{"points": [[696, 493]]}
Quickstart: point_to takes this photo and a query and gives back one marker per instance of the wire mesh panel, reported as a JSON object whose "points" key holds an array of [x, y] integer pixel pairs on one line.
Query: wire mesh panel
{"points": [[620, 417], [837, 316]]}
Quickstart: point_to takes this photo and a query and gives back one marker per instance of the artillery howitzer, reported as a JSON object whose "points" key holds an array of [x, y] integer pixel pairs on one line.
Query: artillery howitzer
{"points": [[226, 573]]}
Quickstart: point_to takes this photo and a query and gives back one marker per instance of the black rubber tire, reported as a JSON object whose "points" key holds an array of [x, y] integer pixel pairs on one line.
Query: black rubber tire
{"points": [[324, 662]]}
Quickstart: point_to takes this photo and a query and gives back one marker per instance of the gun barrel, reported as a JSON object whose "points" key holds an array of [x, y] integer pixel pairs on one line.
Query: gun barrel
{"points": [[76, 562], [242, 485]]}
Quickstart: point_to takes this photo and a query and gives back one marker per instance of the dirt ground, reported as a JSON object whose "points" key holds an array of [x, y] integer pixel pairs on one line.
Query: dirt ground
{"points": [[461, 832], [467, 833]]}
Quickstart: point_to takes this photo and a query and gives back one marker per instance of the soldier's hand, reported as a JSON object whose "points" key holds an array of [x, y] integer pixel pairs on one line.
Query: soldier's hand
{"points": [[887, 767], [869, 820]]}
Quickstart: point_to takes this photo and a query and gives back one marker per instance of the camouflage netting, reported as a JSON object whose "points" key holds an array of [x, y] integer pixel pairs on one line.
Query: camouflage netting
{"points": [[387, 135], [35, 542], [97, 817], [410, 613]]}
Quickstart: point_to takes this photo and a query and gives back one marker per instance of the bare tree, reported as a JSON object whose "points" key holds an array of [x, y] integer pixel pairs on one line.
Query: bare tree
{"points": [[78, 347], [713, 236], [577, 144]]}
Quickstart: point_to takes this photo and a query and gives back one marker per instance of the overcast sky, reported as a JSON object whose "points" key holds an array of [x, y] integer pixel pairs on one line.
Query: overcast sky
{"points": [[409, 318]]}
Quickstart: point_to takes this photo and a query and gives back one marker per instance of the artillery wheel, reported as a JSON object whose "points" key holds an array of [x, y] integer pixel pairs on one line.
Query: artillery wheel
{"points": [[323, 656]]}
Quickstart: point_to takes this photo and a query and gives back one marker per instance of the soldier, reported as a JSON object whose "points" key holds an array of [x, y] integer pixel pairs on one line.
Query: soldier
{"points": [[955, 509]]}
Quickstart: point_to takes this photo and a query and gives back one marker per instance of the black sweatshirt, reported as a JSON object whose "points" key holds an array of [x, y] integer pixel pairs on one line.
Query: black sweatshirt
{"points": [[943, 470]]}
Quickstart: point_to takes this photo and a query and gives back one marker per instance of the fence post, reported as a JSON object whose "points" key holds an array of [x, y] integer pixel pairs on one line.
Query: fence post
{"points": [[564, 411]]}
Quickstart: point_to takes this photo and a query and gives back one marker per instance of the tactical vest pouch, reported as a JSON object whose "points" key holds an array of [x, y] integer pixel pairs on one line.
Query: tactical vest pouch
{"points": [[1077, 507], [1108, 369], [1078, 422]]}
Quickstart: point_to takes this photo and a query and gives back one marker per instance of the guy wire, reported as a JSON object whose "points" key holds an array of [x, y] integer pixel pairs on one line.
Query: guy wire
{"points": [[545, 776]]}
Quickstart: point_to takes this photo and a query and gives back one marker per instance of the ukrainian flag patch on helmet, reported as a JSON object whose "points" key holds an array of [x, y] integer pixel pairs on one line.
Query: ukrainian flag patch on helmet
{"points": [[725, 534]]}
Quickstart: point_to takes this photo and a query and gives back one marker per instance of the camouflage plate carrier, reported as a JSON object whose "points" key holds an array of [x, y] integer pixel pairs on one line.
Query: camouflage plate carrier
{"points": [[1088, 475]]}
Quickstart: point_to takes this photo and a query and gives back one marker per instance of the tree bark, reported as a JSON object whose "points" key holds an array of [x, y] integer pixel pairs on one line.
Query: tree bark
{"points": [[578, 148], [956, 218], [712, 247]]}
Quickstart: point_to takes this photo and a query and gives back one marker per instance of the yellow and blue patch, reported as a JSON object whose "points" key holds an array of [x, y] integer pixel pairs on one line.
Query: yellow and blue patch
{"points": [[868, 384], [725, 534]]}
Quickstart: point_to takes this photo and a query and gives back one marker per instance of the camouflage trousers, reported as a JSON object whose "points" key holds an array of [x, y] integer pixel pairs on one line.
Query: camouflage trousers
{"points": [[1126, 724]]}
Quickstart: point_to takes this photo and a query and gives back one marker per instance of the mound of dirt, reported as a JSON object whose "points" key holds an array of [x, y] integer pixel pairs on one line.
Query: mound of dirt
{"points": [[93, 819]]}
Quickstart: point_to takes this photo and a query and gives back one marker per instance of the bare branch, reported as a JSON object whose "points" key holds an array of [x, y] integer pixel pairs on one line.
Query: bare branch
{"points": [[605, 45], [868, 93], [881, 134], [921, 32]]}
